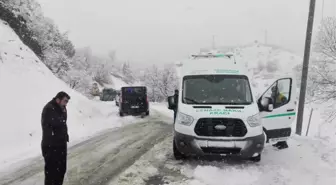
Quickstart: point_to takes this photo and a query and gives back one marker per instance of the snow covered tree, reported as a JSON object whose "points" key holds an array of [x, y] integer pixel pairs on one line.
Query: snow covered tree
{"points": [[151, 80], [127, 72], [161, 83], [326, 38], [44, 31], [168, 80], [322, 71]]}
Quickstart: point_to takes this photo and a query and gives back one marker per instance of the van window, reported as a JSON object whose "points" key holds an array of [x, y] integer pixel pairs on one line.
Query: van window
{"points": [[216, 89], [134, 91]]}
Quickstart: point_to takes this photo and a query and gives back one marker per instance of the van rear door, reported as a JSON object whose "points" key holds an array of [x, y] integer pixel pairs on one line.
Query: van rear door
{"points": [[134, 98]]}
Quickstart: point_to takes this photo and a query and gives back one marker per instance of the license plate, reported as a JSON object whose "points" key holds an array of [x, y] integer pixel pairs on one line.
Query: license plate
{"points": [[221, 144], [134, 107]]}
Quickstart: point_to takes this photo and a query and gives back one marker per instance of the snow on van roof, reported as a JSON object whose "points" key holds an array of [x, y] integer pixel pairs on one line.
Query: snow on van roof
{"points": [[212, 63]]}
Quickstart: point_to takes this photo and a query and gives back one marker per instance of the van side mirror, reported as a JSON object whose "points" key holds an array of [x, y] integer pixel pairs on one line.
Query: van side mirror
{"points": [[265, 104], [171, 103]]}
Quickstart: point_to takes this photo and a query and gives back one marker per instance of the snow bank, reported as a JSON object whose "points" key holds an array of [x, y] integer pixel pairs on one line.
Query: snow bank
{"points": [[26, 86]]}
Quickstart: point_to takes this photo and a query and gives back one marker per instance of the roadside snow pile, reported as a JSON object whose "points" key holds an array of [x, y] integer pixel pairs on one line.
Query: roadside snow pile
{"points": [[26, 86]]}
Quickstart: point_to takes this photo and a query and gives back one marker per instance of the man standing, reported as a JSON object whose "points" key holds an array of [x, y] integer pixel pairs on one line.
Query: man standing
{"points": [[54, 139], [176, 103]]}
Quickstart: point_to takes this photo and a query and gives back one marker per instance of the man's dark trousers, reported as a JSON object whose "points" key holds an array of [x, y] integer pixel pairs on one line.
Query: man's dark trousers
{"points": [[55, 164]]}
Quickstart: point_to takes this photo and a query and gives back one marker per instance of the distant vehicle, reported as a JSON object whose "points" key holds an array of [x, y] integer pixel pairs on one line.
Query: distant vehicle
{"points": [[108, 94], [117, 98], [133, 100]]}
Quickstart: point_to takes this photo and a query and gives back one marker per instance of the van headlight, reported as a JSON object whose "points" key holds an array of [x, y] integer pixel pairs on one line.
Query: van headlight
{"points": [[184, 119], [254, 120]]}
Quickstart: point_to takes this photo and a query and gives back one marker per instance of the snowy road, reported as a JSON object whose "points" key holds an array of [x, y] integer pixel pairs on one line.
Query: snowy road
{"points": [[141, 154], [101, 158]]}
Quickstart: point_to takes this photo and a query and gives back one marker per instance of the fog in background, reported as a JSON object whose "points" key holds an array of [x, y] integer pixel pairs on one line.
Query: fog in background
{"points": [[158, 31]]}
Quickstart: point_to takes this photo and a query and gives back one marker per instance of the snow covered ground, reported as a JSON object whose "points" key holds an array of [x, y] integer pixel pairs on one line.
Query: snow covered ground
{"points": [[307, 162], [26, 86]]}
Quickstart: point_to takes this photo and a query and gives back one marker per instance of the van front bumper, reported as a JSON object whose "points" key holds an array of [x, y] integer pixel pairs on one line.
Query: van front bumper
{"points": [[244, 148]]}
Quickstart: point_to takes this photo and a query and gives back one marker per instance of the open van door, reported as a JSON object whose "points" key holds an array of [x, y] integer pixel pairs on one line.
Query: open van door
{"points": [[278, 122]]}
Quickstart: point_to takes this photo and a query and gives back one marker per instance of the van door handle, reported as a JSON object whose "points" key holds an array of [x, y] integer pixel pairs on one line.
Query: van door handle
{"points": [[290, 110]]}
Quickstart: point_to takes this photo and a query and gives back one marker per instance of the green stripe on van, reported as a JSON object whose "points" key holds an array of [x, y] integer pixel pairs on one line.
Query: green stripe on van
{"points": [[280, 115]]}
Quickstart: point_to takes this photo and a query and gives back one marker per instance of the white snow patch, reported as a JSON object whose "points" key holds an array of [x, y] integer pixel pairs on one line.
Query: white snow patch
{"points": [[162, 108], [306, 162], [231, 176], [27, 85]]}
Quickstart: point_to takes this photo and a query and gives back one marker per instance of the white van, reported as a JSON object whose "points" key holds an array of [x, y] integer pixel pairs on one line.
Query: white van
{"points": [[217, 113]]}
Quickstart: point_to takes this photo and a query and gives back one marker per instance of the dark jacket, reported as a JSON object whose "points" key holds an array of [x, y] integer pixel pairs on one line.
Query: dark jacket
{"points": [[176, 101], [54, 127]]}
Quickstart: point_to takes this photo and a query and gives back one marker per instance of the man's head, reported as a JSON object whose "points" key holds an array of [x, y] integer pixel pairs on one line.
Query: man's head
{"points": [[62, 99], [176, 92]]}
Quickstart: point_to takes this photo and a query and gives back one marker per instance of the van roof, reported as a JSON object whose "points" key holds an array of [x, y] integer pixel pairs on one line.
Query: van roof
{"points": [[213, 65]]}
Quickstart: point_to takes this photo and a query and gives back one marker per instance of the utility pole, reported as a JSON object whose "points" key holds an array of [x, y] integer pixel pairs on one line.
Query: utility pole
{"points": [[322, 8], [213, 42], [305, 66]]}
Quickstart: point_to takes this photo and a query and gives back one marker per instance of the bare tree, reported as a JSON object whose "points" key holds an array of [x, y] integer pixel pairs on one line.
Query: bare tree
{"points": [[326, 38], [322, 81]]}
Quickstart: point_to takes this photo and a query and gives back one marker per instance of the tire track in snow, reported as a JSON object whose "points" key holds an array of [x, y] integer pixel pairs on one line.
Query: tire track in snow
{"points": [[112, 151], [155, 167]]}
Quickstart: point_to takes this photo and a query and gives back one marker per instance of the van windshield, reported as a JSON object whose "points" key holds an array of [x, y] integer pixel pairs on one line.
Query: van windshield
{"points": [[216, 89]]}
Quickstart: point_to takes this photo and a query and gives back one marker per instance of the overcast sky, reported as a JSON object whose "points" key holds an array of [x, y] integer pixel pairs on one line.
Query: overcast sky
{"points": [[160, 31]]}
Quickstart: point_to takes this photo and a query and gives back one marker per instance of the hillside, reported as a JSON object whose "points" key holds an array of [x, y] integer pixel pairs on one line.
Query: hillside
{"points": [[27, 85]]}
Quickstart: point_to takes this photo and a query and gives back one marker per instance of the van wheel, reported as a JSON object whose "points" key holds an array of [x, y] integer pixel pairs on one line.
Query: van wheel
{"points": [[121, 114], [147, 113], [177, 154], [256, 159]]}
